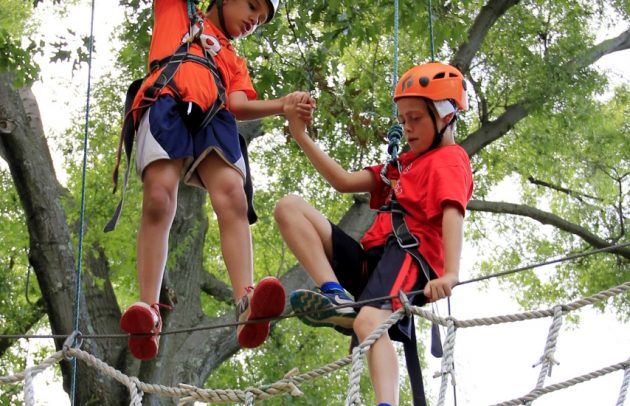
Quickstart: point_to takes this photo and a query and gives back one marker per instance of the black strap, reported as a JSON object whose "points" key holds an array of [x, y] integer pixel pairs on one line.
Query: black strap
{"points": [[406, 239], [173, 63], [411, 245], [127, 134], [413, 367], [165, 78]]}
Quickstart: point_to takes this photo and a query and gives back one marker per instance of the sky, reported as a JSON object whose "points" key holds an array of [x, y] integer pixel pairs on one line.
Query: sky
{"points": [[493, 364]]}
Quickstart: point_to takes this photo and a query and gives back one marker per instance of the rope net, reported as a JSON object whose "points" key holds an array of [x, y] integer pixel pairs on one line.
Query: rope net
{"points": [[291, 382]]}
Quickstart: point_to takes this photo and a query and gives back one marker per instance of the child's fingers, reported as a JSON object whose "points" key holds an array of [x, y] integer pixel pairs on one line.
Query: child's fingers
{"points": [[304, 110]]}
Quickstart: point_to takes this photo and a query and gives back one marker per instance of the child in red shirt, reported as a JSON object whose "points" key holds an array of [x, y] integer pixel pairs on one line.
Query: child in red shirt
{"points": [[175, 140], [432, 182]]}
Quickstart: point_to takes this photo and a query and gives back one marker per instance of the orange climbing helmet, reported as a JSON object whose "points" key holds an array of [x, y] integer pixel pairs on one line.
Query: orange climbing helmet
{"points": [[435, 81]]}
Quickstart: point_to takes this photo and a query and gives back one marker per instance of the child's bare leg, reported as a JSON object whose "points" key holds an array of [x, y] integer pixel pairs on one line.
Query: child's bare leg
{"points": [[159, 203], [309, 236], [382, 358], [225, 187]]}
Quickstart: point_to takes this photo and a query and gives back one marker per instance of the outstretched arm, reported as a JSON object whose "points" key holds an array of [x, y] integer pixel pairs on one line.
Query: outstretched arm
{"points": [[245, 109], [452, 236], [340, 179]]}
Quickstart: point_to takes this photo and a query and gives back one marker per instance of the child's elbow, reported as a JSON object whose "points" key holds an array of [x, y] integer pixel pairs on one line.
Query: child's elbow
{"points": [[237, 112], [341, 188], [341, 185]]}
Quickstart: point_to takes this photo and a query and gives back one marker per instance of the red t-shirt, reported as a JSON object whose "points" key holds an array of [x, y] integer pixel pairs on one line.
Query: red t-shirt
{"points": [[441, 177], [194, 82]]}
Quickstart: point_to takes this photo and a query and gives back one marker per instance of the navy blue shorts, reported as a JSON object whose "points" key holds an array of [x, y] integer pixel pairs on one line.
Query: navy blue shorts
{"points": [[167, 130], [379, 272]]}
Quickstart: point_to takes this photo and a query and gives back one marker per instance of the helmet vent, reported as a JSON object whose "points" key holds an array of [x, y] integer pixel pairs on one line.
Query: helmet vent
{"points": [[424, 81]]}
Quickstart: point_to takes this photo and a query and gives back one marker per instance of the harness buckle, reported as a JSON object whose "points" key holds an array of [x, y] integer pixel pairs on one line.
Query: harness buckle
{"points": [[407, 241], [151, 93]]}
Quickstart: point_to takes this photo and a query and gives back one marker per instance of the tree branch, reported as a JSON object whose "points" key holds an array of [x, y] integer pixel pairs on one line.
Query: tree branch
{"points": [[494, 130], [572, 193], [486, 18], [216, 288], [545, 218]]}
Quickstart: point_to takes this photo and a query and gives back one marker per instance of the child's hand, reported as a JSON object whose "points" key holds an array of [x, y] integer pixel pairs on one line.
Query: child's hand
{"points": [[297, 125], [302, 103], [440, 288]]}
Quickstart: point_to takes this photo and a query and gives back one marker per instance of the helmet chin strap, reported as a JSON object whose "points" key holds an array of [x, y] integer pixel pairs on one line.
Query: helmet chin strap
{"points": [[219, 4]]}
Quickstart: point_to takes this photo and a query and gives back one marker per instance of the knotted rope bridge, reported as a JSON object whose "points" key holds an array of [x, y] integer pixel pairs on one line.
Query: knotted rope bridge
{"points": [[293, 379], [291, 382]]}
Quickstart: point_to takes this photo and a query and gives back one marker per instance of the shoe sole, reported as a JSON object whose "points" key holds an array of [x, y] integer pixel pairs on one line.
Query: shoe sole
{"points": [[266, 302], [138, 320], [317, 310]]}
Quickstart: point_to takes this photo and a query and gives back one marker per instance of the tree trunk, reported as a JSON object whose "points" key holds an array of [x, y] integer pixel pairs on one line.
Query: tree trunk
{"points": [[51, 254]]}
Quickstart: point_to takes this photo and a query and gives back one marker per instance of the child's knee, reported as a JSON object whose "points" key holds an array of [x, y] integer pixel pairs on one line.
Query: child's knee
{"points": [[286, 207], [158, 204], [231, 197], [364, 324]]}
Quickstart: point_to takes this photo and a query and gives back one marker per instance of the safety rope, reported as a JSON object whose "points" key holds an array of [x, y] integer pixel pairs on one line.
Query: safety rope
{"points": [[77, 290], [395, 63], [548, 262], [431, 31], [192, 9], [290, 383], [294, 314]]}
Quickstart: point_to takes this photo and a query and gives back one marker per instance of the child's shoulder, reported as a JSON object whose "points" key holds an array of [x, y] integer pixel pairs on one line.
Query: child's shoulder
{"points": [[453, 153]]}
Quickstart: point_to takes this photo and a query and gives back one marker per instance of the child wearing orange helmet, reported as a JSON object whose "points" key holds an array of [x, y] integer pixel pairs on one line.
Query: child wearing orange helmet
{"points": [[431, 184], [184, 117]]}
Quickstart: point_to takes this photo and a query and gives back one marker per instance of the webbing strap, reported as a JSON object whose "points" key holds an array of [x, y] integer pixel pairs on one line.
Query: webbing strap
{"points": [[165, 78], [126, 141], [413, 368], [168, 72], [411, 245]]}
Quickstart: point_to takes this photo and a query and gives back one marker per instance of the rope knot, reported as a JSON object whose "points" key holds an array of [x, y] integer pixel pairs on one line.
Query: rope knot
{"points": [[291, 383], [404, 301], [74, 340]]}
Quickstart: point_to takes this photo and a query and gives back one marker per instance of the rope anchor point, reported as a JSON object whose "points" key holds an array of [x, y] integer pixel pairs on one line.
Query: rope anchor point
{"points": [[74, 341]]}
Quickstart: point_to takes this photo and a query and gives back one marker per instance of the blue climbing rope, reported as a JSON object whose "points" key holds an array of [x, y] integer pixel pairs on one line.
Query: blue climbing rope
{"points": [[395, 65], [77, 290], [431, 31]]}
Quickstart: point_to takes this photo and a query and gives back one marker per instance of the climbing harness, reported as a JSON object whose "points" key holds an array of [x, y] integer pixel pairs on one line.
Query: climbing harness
{"points": [[411, 245], [169, 65]]}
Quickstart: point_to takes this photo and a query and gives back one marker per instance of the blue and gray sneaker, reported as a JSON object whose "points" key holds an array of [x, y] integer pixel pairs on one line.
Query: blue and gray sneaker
{"points": [[320, 309]]}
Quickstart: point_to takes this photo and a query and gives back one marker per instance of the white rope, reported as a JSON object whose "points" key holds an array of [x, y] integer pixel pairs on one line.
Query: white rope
{"points": [[547, 360], [536, 393], [448, 362], [537, 314], [291, 382], [624, 386], [249, 399], [29, 392], [135, 394], [353, 398], [354, 395]]}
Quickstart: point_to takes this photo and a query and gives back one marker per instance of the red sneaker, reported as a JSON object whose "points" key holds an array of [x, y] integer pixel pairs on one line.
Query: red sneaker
{"points": [[141, 318], [264, 301]]}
